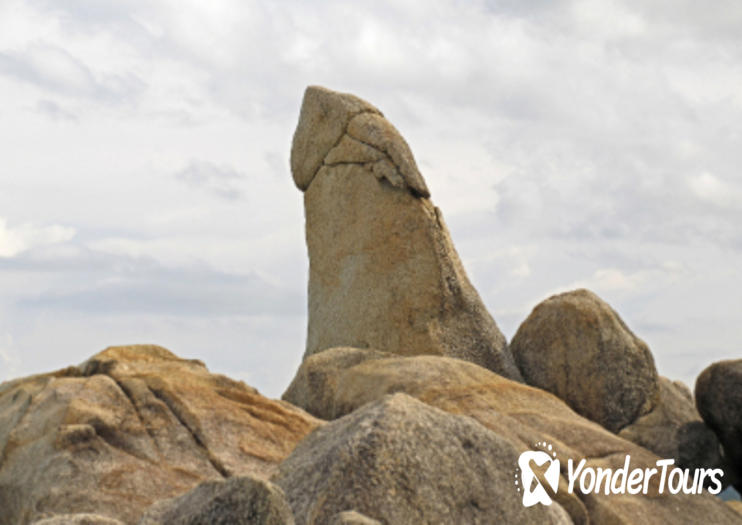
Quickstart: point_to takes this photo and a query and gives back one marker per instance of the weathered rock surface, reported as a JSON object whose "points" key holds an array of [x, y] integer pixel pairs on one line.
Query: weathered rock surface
{"points": [[383, 272], [351, 517], [235, 501], [323, 122], [719, 401], [78, 519], [128, 427], [674, 429], [576, 346], [520, 414], [80, 443], [736, 505], [400, 461], [315, 385]]}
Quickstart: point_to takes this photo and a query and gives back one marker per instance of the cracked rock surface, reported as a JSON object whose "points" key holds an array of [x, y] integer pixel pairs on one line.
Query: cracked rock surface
{"points": [[130, 426], [383, 272]]}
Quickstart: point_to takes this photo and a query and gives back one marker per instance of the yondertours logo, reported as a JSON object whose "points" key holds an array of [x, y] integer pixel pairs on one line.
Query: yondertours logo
{"points": [[533, 491], [623, 480]]}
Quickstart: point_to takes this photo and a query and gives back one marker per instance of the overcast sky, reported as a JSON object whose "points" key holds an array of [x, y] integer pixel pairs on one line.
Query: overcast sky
{"points": [[145, 194]]}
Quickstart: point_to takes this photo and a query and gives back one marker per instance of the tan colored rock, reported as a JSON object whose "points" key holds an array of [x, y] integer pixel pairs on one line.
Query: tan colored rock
{"points": [[315, 385], [736, 506], [674, 429], [520, 414], [351, 517], [129, 427], [323, 122], [241, 500], [400, 461], [373, 129], [576, 346], [352, 150], [78, 519], [383, 271], [526, 415]]}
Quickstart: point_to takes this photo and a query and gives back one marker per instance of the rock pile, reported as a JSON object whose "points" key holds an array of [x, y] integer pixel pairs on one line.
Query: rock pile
{"points": [[408, 407], [131, 426], [345, 382], [577, 347]]}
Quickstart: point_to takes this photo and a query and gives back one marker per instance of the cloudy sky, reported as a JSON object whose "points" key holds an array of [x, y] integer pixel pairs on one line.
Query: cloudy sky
{"points": [[145, 194]]}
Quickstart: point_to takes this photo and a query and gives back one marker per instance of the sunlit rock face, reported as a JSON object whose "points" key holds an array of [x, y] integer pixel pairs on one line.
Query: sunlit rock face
{"points": [[130, 426], [383, 272]]}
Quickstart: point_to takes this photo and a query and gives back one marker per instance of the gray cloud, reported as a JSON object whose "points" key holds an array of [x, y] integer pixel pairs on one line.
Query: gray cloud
{"points": [[100, 284], [222, 181], [88, 14], [572, 143], [54, 111], [184, 293], [56, 70]]}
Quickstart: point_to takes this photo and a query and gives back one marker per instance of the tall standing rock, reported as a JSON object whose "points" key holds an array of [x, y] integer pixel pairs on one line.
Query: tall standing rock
{"points": [[383, 272]]}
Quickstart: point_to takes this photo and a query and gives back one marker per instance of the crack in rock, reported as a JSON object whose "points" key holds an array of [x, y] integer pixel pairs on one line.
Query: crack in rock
{"points": [[182, 418]]}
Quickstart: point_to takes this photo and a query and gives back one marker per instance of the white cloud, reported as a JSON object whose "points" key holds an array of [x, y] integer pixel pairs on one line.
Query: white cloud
{"points": [[567, 143], [615, 281], [712, 189], [608, 18], [18, 239], [10, 363]]}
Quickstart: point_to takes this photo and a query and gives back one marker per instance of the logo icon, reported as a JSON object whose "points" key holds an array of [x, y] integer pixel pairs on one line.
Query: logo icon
{"points": [[533, 491], [539, 470]]}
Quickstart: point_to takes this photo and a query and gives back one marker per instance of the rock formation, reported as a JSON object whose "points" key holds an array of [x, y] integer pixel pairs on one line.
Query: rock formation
{"points": [[344, 384], [383, 272], [128, 427], [78, 519], [674, 429], [87, 439], [577, 347], [719, 401], [400, 461], [427, 413], [236, 501], [351, 517], [315, 386]]}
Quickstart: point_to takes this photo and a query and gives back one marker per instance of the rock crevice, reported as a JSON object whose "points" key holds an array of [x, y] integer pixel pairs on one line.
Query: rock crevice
{"points": [[192, 429]]}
